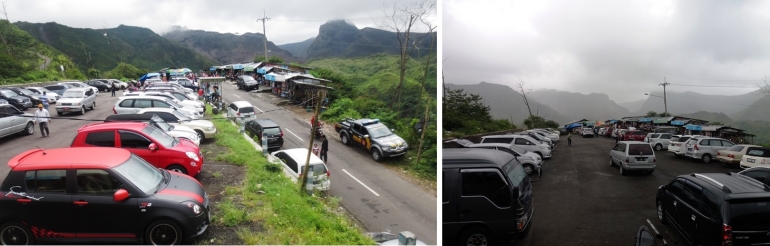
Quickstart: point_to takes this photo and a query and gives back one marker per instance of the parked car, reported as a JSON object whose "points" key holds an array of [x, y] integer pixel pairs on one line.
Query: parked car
{"points": [[157, 122], [544, 140], [13, 121], [734, 154], [178, 94], [174, 87], [676, 145], [487, 197], [35, 99], [53, 97], [186, 83], [760, 173], [197, 105], [658, 141], [706, 148], [545, 134], [245, 82], [120, 84], [57, 88], [18, 101], [271, 130], [755, 156], [293, 161], [633, 156], [587, 132], [241, 111], [100, 85], [150, 143], [634, 135], [532, 162], [152, 206], [601, 131], [716, 209], [132, 105], [204, 128], [3, 101], [524, 142], [79, 84], [76, 100], [372, 135]]}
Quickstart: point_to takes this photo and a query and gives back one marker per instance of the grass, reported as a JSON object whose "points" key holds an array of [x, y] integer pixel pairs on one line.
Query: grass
{"points": [[273, 200], [217, 174]]}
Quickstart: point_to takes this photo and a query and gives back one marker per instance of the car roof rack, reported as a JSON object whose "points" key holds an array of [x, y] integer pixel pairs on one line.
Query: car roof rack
{"points": [[717, 183]]}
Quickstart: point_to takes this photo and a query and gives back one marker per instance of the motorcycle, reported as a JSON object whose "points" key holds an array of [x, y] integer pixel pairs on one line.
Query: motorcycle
{"points": [[319, 132], [645, 238]]}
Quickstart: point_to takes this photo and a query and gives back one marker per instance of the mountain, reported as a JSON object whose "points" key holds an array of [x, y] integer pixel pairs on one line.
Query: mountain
{"points": [[594, 106], [690, 102], [341, 39], [633, 106], [505, 103], [759, 110], [226, 48], [24, 59], [137, 46], [298, 49], [709, 116]]}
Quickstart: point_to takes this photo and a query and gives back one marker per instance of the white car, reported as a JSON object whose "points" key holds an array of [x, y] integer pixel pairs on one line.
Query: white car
{"points": [[241, 111], [755, 156], [122, 85], [587, 132], [293, 161], [204, 128], [156, 121], [79, 84], [132, 105], [53, 97], [197, 105]]}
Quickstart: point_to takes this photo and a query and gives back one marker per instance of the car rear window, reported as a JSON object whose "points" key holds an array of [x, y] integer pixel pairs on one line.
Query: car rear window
{"points": [[273, 131], [736, 148], [758, 152], [246, 110], [654, 135], [683, 139], [747, 214], [639, 149], [318, 169], [56, 87], [675, 139]]}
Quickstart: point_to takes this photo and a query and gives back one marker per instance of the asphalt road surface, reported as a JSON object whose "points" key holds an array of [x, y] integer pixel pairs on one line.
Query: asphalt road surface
{"points": [[581, 200]]}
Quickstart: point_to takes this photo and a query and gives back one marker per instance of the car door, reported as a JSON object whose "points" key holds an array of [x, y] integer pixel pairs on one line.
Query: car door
{"points": [[450, 226], [139, 104], [688, 211], [14, 122], [95, 211], [708, 224], [46, 197], [139, 145], [672, 201], [726, 144], [486, 196], [104, 138], [5, 121]]}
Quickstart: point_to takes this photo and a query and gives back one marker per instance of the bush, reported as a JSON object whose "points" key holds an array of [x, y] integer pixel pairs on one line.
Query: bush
{"points": [[339, 110]]}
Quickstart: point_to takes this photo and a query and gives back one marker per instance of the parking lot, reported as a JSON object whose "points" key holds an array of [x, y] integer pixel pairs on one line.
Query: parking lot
{"points": [[581, 200]]}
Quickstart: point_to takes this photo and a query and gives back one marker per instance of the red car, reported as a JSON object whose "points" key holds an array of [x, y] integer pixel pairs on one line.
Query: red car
{"points": [[149, 143], [634, 136]]}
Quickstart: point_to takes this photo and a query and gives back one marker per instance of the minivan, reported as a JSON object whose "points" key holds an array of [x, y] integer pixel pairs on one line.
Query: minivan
{"points": [[658, 141], [241, 111], [705, 148], [633, 156], [487, 197]]}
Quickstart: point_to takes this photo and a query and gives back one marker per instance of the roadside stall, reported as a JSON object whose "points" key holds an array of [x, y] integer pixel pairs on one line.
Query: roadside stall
{"points": [[304, 88]]}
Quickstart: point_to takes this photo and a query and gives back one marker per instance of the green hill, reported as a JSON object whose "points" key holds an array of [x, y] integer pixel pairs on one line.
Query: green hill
{"points": [[226, 48], [759, 110], [23, 58], [137, 46], [341, 39], [710, 117]]}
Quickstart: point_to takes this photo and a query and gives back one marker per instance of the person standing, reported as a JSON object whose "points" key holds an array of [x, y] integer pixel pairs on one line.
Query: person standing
{"points": [[114, 88], [42, 118], [324, 149], [44, 100], [569, 139]]}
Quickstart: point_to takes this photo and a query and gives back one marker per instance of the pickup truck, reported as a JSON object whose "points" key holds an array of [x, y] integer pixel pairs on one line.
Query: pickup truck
{"points": [[374, 136]]}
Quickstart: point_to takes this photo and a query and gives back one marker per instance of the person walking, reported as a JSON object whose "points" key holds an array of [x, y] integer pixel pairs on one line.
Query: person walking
{"points": [[44, 100], [569, 139], [324, 149], [42, 117]]}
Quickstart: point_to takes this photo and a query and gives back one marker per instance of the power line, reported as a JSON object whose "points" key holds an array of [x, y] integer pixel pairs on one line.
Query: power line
{"points": [[733, 86], [716, 79]]}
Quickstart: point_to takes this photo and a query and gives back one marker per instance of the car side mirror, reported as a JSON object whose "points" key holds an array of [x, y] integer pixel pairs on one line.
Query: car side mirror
{"points": [[153, 147], [366, 136], [120, 195]]}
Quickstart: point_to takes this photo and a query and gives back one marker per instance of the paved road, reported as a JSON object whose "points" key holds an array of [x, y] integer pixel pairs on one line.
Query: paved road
{"points": [[376, 196], [581, 200]]}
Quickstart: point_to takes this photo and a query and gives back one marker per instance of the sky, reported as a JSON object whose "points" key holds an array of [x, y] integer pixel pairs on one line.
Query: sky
{"points": [[621, 48], [290, 21]]}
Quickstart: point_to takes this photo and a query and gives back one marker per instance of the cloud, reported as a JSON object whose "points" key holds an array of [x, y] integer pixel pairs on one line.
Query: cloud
{"points": [[620, 48], [290, 21]]}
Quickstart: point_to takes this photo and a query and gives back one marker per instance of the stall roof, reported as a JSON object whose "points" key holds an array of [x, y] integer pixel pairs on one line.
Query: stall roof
{"points": [[577, 121], [661, 120], [711, 128]]}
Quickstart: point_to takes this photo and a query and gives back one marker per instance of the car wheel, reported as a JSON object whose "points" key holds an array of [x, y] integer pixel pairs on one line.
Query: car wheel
{"points": [[376, 155], [30, 129], [83, 110], [93, 106], [658, 147], [200, 134], [541, 155], [706, 158], [529, 169], [612, 163], [661, 215], [15, 233], [476, 236], [622, 170], [345, 139], [177, 168], [163, 232], [59, 113]]}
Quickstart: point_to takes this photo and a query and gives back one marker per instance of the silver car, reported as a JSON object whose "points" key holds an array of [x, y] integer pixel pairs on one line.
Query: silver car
{"points": [[633, 156], [705, 148], [76, 100], [522, 141], [529, 160], [13, 121], [658, 141]]}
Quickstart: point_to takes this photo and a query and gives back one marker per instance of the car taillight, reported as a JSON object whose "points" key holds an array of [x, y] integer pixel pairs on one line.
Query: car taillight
{"points": [[654, 160], [281, 133], [731, 156], [239, 114], [626, 159], [718, 154], [113, 110], [328, 174], [727, 235], [696, 147]]}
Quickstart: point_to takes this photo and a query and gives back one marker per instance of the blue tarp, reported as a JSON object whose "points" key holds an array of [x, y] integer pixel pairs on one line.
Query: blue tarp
{"points": [[693, 127], [645, 120], [573, 125], [677, 122]]}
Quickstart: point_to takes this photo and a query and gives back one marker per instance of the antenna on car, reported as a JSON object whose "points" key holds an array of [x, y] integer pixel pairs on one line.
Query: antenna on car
{"points": [[40, 149]]}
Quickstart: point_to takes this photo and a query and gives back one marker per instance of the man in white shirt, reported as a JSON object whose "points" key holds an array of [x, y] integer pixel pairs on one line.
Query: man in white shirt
{"points": [[43, 118]]}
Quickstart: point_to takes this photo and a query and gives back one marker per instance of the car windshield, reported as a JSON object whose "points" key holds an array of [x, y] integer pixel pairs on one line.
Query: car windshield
{"points": [[56, 87], [7, 93], [683, 139], [162, 124], [176, 105], [515, 174], [75, 85], [750, 214], [27, 92], [179, 96], [72, 94], [639, 149], [160, 136], [379, 131], [140, 173], [180, 115], [517, 149]]}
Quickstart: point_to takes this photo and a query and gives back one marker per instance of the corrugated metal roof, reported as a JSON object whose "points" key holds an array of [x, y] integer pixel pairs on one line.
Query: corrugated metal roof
{"points": [[711, 128]]}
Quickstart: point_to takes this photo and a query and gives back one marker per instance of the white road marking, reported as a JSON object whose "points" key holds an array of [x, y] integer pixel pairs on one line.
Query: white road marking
{"points": [[362, 183], [260, 110], [656, 231], [295, 135], [237, 96]]}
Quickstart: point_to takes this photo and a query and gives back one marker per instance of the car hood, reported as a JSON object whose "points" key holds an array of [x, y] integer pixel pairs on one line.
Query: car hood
{"points": [[532, 155], [182, 188], [187, 145], [20, 98], [391, 141], [181, 128], [70, 100]]}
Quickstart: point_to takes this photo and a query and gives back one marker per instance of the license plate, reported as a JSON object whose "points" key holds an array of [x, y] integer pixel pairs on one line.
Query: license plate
{"points": [[750, 160], [689, 149], [66, 108], [641, 158]]}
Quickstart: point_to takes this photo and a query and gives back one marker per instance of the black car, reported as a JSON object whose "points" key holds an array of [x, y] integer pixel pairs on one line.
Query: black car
{"points": [[760, 173], [100, 85], [487, 197], [272, 131], [186, 83], [245, 82], [716, 209], [34, 98], [110, 195], [58, 88], [18, 101]]}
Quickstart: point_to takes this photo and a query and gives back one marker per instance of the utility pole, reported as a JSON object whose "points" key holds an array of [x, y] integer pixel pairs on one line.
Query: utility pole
{"points": [[665, 104], [264, 32], [321, 94]]}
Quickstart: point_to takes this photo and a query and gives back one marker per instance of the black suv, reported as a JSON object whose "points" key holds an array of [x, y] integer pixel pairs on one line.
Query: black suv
{"points": [[487, 197], [13, 98], [272, 131], [245, 82], [717, 208], [100, 85]]}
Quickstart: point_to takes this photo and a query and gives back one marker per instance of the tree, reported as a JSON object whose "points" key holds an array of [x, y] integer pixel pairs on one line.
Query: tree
{"points": [[275, 59], [94, 73], [664, 114], [9, 48], [766, 87], [551, 124], [467, 113], [259, 58], [651, 114], [11, 68], [520, 85]]}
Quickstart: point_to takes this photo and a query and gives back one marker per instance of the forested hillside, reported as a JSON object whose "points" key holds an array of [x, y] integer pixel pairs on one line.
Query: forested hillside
{"points": [[24, 59]]}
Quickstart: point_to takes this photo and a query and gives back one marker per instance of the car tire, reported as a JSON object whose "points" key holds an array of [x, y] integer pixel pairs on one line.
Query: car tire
{"points": [[163, 232], [376, 155], [30, 128], [529, 169], [93, 106], [612, 163], [622, 170], [345, 139], [177, 168], [16, 233], [661, 214], [706, 158], [476, 236], [658, 147], [200, 134], [83, 110]]}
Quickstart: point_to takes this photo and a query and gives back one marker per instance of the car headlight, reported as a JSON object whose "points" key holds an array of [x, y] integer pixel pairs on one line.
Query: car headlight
{"points": [[385, 148], [79, 104], [194, 206], [210, 128], [192, 155]]}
